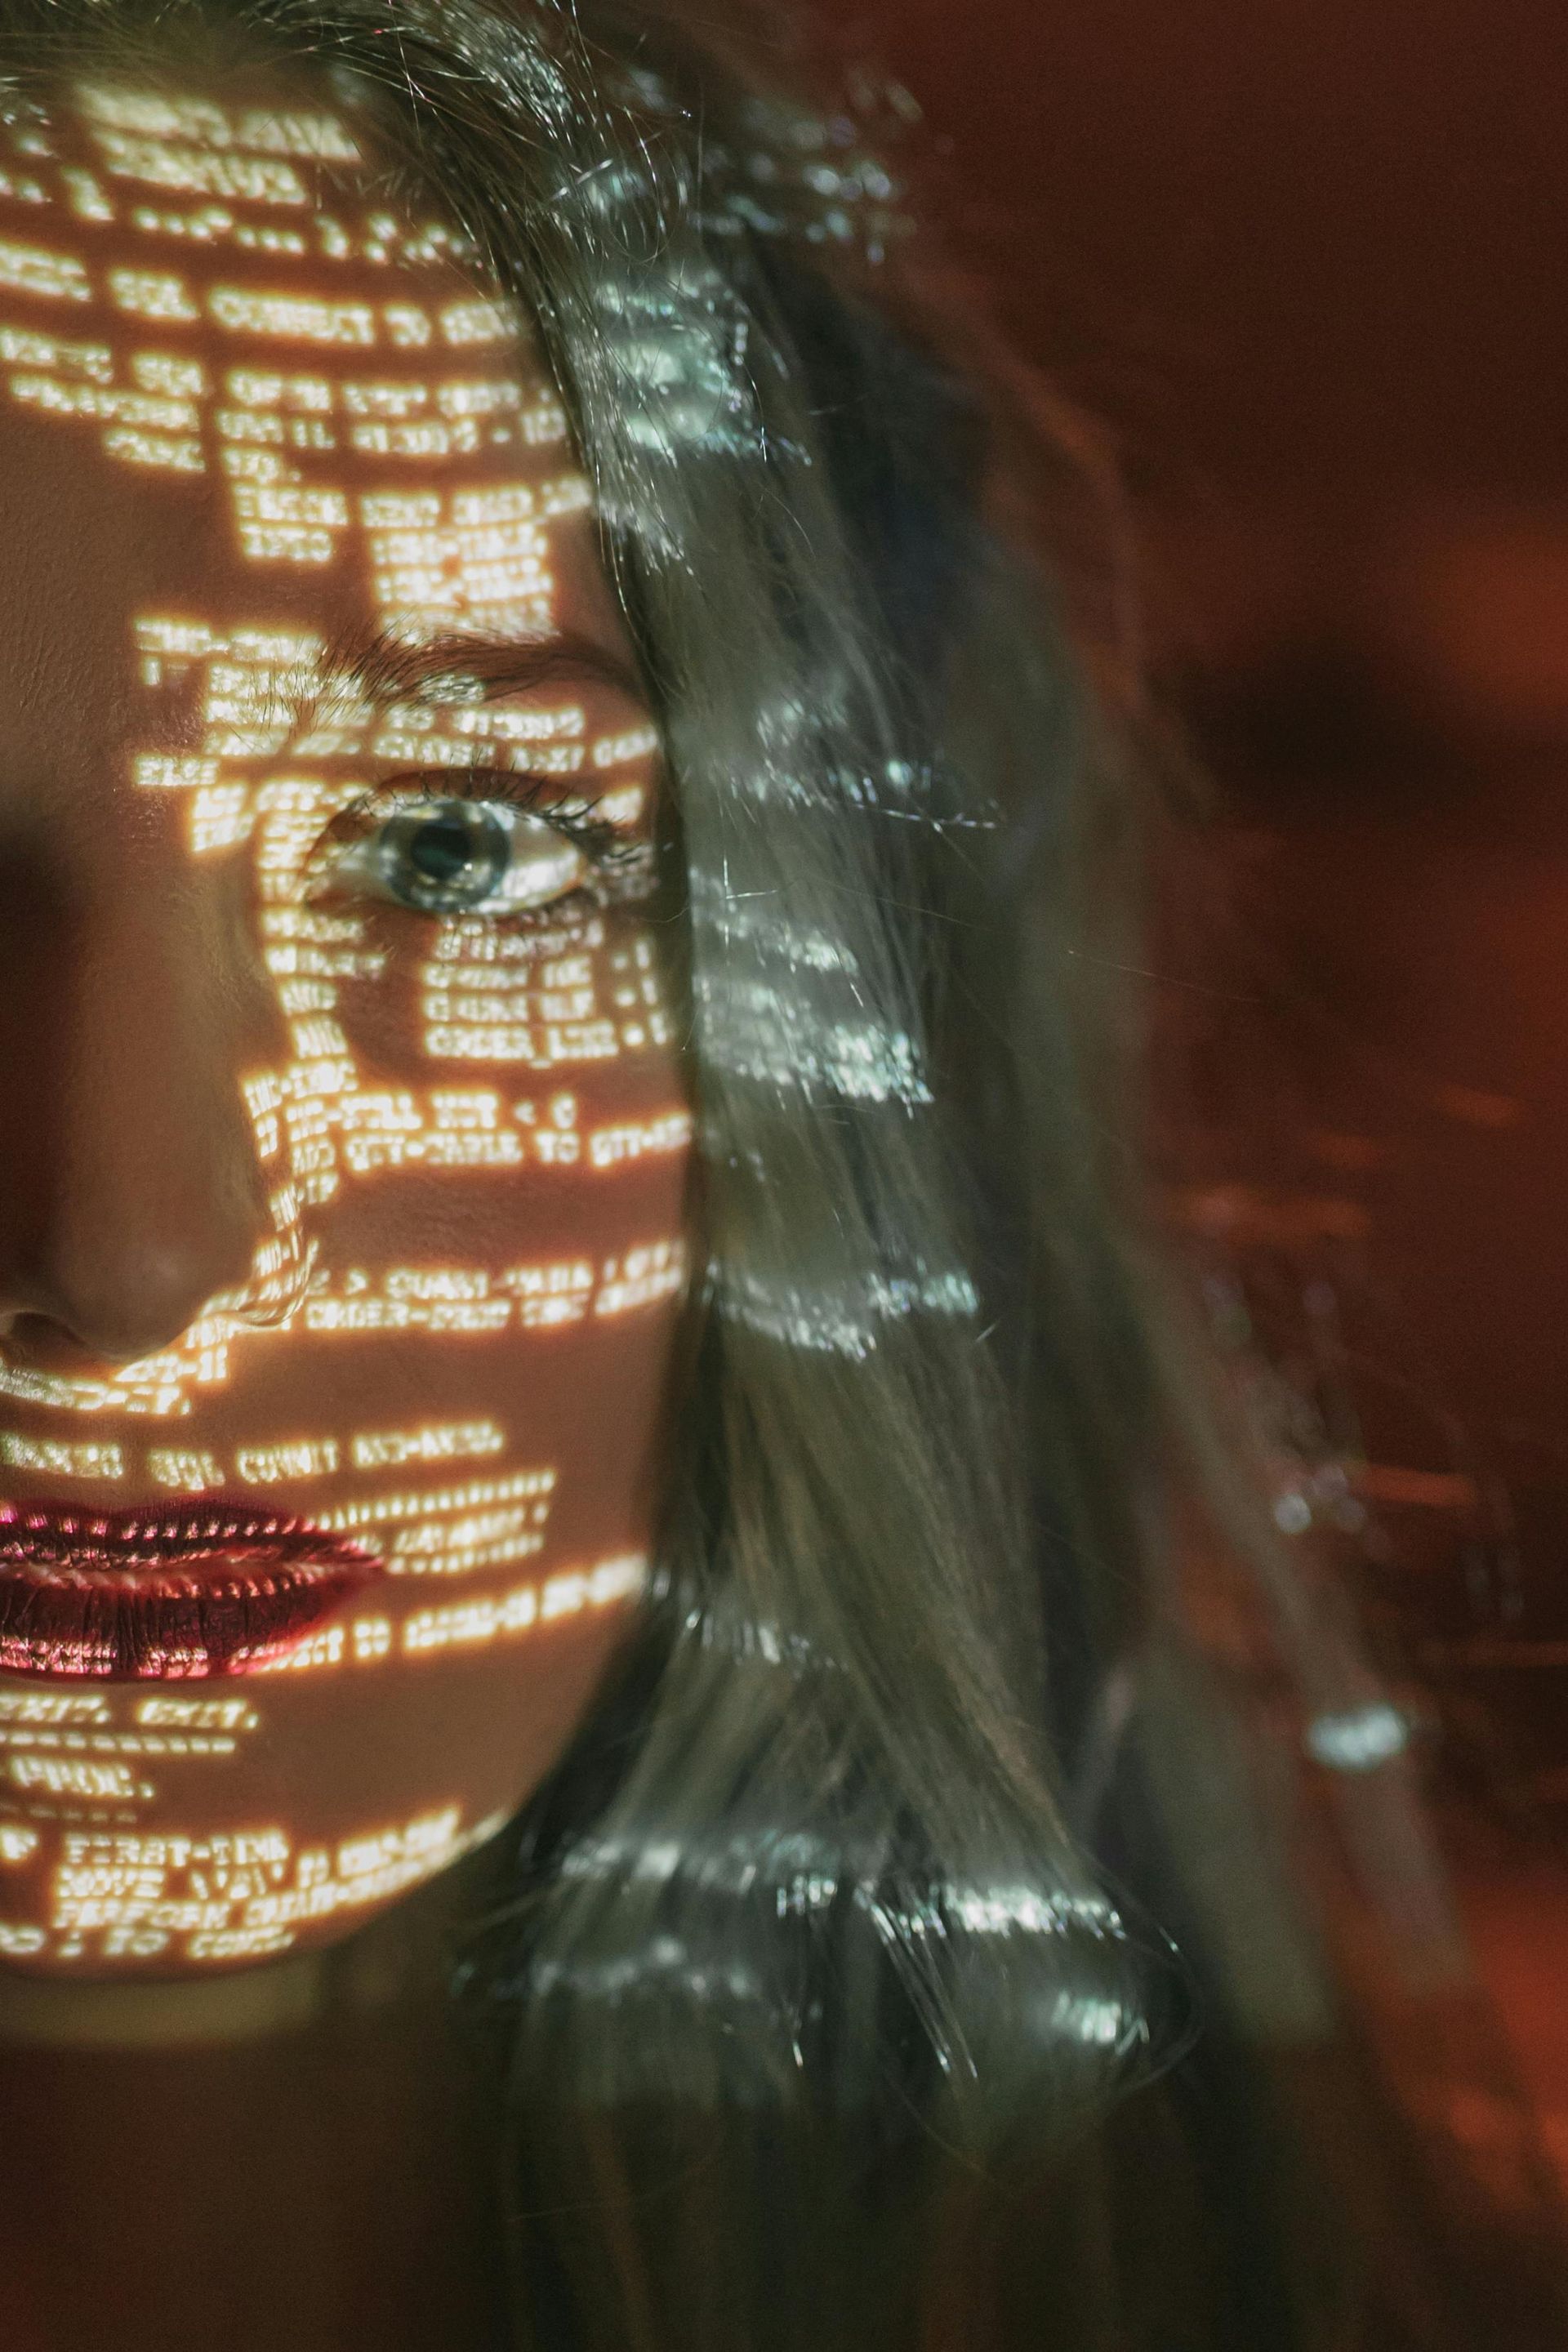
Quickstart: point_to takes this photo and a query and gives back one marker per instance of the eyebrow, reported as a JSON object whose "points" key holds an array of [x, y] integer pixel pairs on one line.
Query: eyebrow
{"points": [[384, 668]]}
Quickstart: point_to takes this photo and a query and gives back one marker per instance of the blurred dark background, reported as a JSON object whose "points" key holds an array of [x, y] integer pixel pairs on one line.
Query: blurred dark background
{"points": [[1310, 271]]}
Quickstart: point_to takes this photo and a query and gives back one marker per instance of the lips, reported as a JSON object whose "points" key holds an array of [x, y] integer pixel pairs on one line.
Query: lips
{"points": [[165, 1595]]}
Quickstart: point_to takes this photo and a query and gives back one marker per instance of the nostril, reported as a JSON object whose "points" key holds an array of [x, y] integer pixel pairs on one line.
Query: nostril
{"points": [[35, 1343], [121, 1307]]}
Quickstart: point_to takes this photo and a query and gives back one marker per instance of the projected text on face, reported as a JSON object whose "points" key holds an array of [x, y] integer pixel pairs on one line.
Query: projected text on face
{"points": [[381, 711]]}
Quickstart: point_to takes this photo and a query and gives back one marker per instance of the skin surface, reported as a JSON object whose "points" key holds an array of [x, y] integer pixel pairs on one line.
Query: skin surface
{"points": [[283, 497]]}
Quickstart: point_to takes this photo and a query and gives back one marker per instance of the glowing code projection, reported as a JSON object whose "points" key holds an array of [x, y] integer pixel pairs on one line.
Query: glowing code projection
{"points": [[546, 1002], [233, 1895], [382, 698], [230, 1894]]}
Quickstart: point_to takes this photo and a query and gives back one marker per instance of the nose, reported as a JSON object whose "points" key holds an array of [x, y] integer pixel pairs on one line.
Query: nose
{"points": [[129, 1187]]}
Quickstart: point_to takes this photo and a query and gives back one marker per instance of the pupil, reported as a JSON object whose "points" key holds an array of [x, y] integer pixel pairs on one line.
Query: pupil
{"points": [[450, 857], [440, 849]]}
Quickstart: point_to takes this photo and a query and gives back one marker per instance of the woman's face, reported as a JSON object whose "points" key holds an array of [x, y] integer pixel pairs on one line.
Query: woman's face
{"points": [[342, 1144]]}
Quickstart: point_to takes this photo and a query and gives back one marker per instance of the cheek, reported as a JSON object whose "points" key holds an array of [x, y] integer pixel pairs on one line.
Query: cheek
{"points": [[483, 1147], [479, 1151], [484, 1128]]}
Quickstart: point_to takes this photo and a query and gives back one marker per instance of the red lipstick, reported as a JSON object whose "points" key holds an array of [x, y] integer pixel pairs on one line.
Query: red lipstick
{"points": [[163, 1594]]}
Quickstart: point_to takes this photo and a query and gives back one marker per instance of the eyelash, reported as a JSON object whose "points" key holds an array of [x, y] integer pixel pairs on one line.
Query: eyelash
{"points": [[530, 796]]}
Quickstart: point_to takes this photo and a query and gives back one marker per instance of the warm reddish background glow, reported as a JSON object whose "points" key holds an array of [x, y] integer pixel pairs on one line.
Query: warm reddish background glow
{"points": [[1310, 265], [1278, 240]]}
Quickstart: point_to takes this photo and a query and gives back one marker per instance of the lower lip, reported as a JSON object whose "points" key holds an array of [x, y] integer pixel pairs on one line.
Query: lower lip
{"points": [[148, 1599]]}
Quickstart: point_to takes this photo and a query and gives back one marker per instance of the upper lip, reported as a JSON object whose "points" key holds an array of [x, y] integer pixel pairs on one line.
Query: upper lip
{"points": [[199, 1541]]}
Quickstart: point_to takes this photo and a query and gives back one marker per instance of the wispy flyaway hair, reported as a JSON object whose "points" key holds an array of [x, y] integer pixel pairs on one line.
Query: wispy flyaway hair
{"points": [[798, 1941]]}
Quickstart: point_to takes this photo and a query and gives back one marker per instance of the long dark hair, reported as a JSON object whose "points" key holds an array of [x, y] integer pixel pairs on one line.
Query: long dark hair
{"points": [[800, 1952]]}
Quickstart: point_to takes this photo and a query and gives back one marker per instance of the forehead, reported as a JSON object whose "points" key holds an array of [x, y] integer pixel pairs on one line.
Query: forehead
{"points": [[239, 365]]}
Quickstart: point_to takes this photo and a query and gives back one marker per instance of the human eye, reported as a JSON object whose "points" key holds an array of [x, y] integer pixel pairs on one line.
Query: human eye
{"points": [[492, 848]]}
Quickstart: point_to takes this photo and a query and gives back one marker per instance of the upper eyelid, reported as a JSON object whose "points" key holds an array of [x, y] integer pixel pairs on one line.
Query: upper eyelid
{"points": [[523, 788]]}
